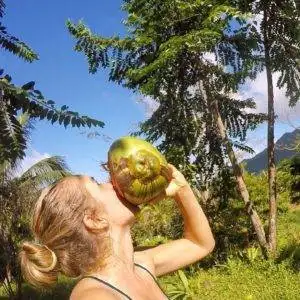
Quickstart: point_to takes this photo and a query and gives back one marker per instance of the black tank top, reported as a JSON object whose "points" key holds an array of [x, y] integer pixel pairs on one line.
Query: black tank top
{"points": [[118, 290]]}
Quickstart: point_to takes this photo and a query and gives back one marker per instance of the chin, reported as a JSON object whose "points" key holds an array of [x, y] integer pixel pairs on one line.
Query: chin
{"points": [[131, 210]]}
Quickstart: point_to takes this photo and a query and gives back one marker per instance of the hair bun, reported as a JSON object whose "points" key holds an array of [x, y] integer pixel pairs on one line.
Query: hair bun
{"points": [[44, 258], [54, 261], [38, 263]]}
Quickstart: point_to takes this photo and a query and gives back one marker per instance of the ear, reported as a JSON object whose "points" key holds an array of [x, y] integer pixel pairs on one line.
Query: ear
{"points": [[93, 222]]}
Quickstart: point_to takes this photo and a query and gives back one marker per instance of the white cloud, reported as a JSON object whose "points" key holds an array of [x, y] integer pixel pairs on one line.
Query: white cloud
{"points": [[210, 57], [32, 157], [287, 117], [257, 141], [257, 90], [150, 105]]}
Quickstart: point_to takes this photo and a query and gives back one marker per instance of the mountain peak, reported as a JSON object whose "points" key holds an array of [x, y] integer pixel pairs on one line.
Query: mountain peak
{"points": [[283, 149]]}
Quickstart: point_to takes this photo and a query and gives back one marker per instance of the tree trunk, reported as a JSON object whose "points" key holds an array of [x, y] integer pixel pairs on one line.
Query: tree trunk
{"points": [[271, 146], [19, 292], [238, 173]]}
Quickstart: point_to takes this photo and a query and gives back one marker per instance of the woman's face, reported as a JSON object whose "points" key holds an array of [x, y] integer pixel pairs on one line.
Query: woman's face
{"points": [[117, 210]]}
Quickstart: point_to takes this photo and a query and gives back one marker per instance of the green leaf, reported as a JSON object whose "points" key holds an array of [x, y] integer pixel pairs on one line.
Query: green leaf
{"points": [[183, 279], [67, 121], [73, 121], [28, 86], [50, 115], [43, 114], [8, 78], [61, 119], [54, 118]]}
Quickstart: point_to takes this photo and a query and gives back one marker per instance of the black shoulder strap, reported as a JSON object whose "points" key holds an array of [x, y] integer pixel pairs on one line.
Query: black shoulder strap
{"points": [[146, 271], [108, 284], [152, 277]]}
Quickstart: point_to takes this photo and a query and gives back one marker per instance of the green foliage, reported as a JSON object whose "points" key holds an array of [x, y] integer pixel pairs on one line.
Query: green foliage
{"points": [[44, 172], [26, 99], [232, 229], [13, 44], [61, 291], [258, 189], [278, 35], [289, 172], [178, 287], [240, 280], [164, 56], [241, 274], [295, 184], [235, 280], [157, 224], [289, 238], [17, 196]]}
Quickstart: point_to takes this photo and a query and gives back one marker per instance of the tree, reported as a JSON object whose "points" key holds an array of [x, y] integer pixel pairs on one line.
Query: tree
{"points": [[26, 99], [278, 36], [17, 196], [165, 56]]}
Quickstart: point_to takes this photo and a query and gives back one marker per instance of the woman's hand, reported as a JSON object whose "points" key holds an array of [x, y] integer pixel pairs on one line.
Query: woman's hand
{"points": [[197, 240], [176, 182]]}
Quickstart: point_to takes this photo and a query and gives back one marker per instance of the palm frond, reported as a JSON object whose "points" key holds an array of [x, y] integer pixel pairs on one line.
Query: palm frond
{"points": [[12, 140], [27, 123], [49, 178], [46, 171], [14, 45], [2, 7]]}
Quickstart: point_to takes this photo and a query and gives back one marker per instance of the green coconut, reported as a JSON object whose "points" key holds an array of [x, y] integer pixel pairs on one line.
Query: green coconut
{"points": [[137, 169]]}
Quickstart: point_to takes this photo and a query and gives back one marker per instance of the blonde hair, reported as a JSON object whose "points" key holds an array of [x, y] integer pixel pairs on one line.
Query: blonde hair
{"points": [[62, 242]]}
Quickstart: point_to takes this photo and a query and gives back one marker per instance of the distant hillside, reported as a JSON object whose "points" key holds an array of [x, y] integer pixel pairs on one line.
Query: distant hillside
{"points": [[260, 161]]}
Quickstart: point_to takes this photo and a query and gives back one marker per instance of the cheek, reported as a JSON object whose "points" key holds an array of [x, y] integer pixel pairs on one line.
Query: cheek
{"points": [[113, 205], [118, 210]]}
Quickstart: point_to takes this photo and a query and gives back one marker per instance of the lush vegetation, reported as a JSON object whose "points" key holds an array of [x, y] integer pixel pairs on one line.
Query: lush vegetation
{"points": [[165, 57], [19, 107], [26, 99], [236, 269], [237, 259]]}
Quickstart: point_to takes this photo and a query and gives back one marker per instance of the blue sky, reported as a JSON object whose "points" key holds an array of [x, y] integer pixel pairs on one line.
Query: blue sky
{"points": [[62, 75]]}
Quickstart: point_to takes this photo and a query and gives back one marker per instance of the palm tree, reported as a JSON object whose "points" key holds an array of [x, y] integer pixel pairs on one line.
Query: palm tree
{"points": [[15, 99], [17, 195]]}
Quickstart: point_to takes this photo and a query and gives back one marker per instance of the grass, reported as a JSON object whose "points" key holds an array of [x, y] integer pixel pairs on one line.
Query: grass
{"points": [[61, 291], [239, 280], [245, 278]]}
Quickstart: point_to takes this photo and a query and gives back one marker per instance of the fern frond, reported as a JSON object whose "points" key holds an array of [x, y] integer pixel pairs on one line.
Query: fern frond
{"points": [[14, 45]]}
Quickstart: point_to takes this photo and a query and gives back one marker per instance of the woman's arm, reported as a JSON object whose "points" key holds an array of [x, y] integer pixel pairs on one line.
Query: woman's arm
{"points": [[197, 241]]}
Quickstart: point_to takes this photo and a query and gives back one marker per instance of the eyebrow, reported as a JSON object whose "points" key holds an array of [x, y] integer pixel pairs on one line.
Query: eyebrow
{"points": [[93, 179]]}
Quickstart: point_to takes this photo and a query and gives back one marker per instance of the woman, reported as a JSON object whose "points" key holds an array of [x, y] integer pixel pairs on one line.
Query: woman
{"points": [[83, 229]]}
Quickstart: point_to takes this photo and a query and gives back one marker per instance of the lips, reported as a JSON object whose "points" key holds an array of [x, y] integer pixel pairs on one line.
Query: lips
{"points": [[133, 208]]}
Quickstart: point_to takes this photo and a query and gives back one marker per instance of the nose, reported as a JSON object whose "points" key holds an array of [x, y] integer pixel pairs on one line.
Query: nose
{"points": [[107, 185]]}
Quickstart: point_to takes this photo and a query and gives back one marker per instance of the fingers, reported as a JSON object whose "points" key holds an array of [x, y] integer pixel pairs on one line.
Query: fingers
{"points": [[172, 168], [167, 172], [171, 189], [158, 198]]}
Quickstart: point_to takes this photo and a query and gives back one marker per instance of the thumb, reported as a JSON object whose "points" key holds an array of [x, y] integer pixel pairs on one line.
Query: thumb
{"points": [[172, 188], [158, 198]]}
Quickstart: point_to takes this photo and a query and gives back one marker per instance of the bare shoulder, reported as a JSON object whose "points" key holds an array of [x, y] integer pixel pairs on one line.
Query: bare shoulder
{"points": [[141, 257], [92, 293]]}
